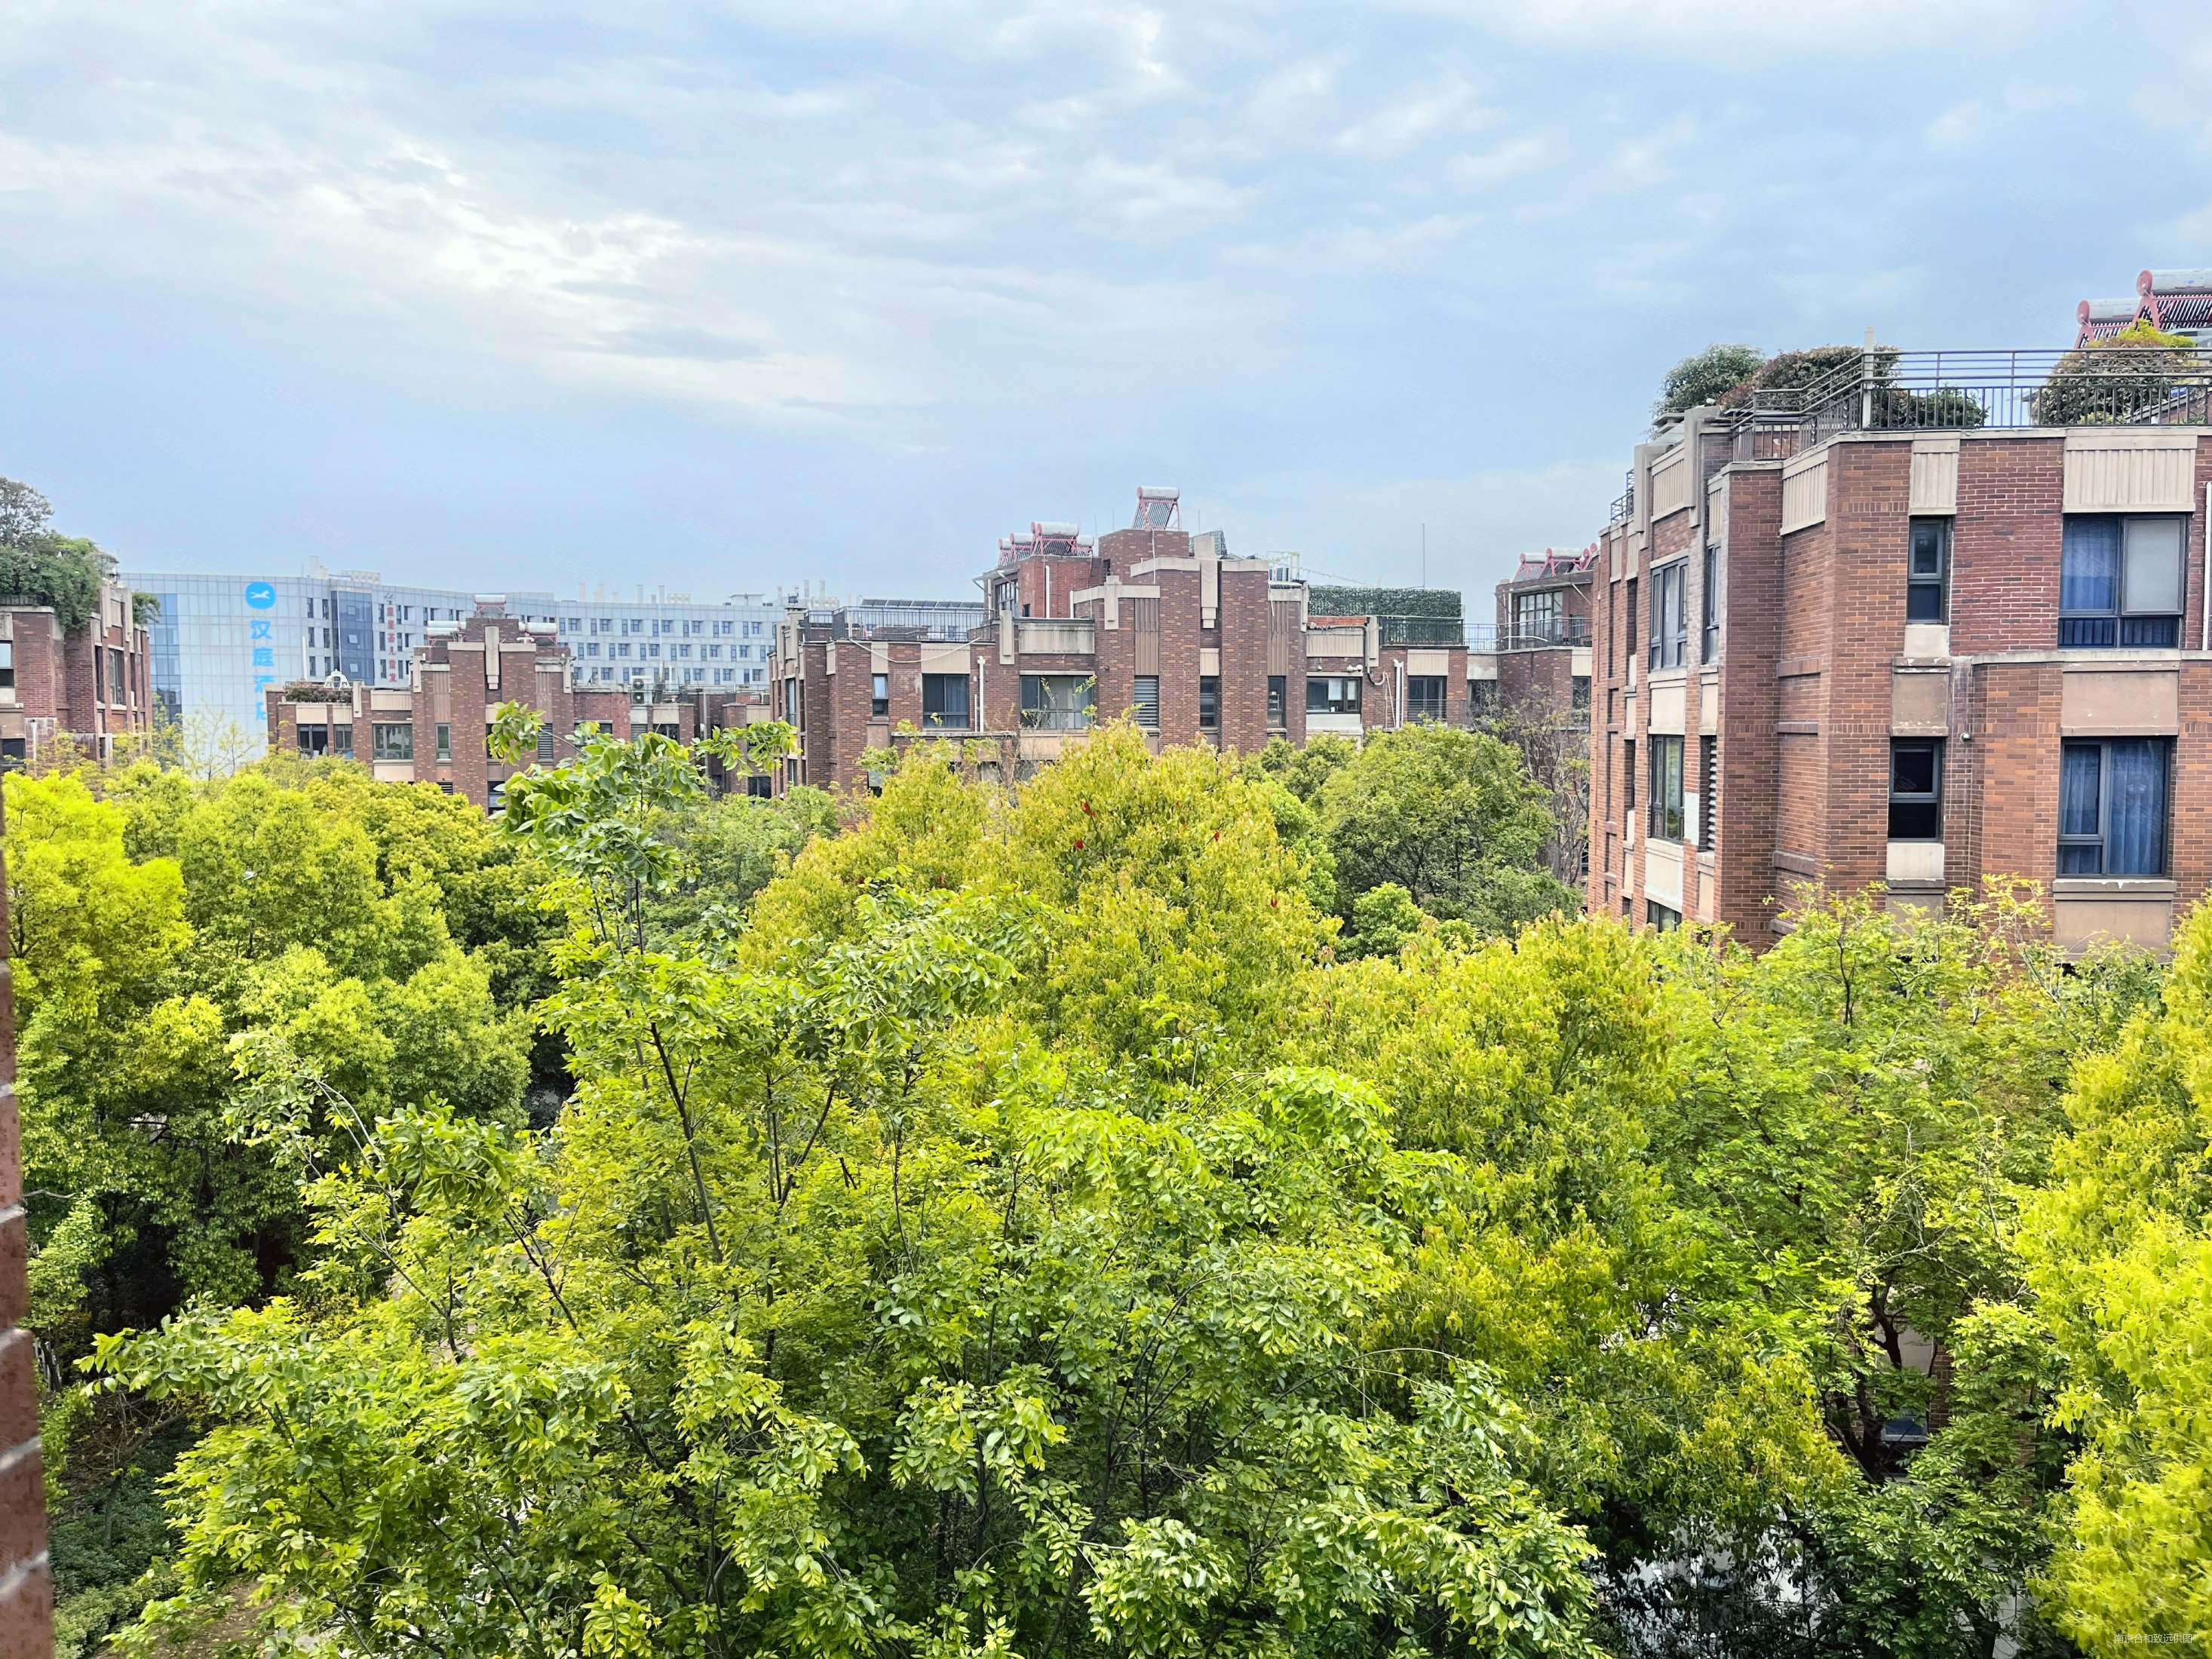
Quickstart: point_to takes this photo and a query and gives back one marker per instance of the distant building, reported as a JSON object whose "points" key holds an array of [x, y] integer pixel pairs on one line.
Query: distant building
{"points": [[220, 643], [90, 684], [1148, 623], [433, 730], [1536, 654]]}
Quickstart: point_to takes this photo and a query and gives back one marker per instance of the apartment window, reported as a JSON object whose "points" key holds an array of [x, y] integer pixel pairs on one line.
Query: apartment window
{"points": [[1425, 698], [1481, 699], [1628, 773], [342, 740], [1629, 636], [1209, 702], [1580, 695], [1056, 703], [444, 736], [1663, 917], [1146, 697], [314, 739], [1332, 695], [545, 756], [2113, 807], [118, 684], [1709, 608], [1916, 790], [391, 742], [2120, 582], [7, 664], [945, 701], [1665, 819], [1279, 702], [1669, 626], [1540, 616], [880, 694], [1709, 787], [1928, 574]]}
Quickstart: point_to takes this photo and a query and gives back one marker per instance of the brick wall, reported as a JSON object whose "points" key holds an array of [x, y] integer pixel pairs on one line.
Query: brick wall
{"points": [[26, 1588], [1749, 759]]}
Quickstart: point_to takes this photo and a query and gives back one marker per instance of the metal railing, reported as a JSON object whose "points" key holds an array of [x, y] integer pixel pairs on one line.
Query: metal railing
{"points": [[1421, 630], [1889, 391], [1489, 636]]}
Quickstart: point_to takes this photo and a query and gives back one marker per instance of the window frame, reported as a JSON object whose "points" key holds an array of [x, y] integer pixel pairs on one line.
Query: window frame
{"points": [[1670, 625], [2100, 841], [1664, 818], [1279, 703], [1917, 581], [1145, 700], [441, 735], [1915, 801], [1428, 709], [2154, 629], [1209, 702], [1661, 918], [1709, 786], [1709, 606], [879, 696], [1039, 712], [940, 718], [1326, 701], [383, 747]]}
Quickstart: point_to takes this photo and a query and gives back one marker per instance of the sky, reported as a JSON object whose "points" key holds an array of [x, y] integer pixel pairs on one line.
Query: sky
{"points": [[507, 294]]}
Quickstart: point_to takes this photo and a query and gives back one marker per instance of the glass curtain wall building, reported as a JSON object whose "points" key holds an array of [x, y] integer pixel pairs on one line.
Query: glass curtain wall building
{"points": [[221, 641]]}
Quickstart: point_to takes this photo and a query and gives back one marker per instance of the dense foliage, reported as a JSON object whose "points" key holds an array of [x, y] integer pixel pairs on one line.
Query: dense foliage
{"points": [[1171, 1208], [41, 565]]}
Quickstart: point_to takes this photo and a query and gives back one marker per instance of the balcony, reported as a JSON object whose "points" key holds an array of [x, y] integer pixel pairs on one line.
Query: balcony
{"points": [[1563, 631], [1889, 391]]}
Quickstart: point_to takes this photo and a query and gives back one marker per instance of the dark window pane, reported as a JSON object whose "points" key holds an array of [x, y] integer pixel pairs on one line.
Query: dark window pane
{"points": [[1915, 820], [2150, 632], [1927, 549], [2089, 577], [2081, 632], [1923, 602], [2079, 778], [2135, 808], [2085, 858], [1912, 770]]}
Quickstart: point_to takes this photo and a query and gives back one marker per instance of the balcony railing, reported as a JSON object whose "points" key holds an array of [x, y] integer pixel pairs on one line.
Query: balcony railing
{"points": [[1888, 391], [1567, 630]]}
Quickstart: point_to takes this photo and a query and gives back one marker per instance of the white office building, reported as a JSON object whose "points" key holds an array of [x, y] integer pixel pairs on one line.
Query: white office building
{"points": [[221, 641]]}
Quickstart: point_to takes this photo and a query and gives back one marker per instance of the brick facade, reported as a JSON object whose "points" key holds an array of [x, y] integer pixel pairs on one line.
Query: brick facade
{"points": [[89, 684], [26, 1585], [462, 673], [1817, 673], [1149, 601]]}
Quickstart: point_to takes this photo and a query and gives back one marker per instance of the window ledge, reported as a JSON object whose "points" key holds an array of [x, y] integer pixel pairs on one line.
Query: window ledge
{"points": [[2114, 887]]}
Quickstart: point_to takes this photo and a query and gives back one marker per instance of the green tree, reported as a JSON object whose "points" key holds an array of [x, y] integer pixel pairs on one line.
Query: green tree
{"points": [[1706, 377], [1451, 817], [839, 1313], [2119, 1248]]}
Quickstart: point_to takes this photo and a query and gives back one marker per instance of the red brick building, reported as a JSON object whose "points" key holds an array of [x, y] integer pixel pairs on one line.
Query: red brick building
{"points": [[1150, 623], [1891, 630], [1535, 658], [433, 730], [88, 685]]}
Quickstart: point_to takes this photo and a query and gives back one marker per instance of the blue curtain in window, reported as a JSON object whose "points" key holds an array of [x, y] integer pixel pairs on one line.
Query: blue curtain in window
{"points": [[2089, 578], [2079, 777], [2134, 808]]}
